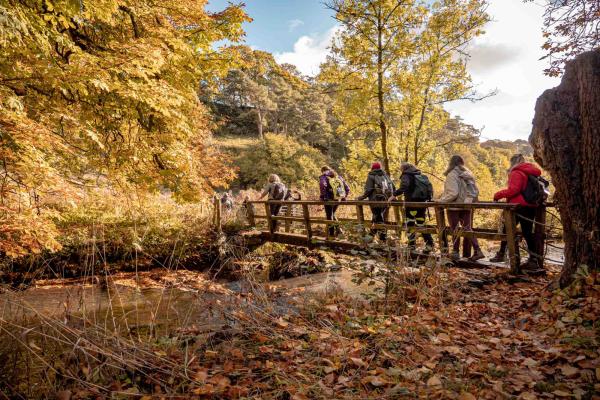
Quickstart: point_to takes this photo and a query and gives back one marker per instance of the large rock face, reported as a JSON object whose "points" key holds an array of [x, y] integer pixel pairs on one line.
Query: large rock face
{"points": [[566, 142]]}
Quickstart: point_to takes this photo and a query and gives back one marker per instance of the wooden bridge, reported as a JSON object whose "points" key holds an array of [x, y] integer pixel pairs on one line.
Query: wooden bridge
{"points": [[297, 221]]}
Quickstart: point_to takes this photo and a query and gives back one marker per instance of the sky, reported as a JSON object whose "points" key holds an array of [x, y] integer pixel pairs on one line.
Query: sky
{"points": [[505, 58]]}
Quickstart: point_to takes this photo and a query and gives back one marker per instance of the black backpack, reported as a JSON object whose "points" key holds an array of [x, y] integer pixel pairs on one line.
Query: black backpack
{"points": [[536, 190], [278, 191], [383, 187], [423, 189]]}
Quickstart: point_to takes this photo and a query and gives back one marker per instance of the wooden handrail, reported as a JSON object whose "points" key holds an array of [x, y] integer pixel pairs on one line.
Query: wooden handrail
{"points": [[410, 204], [441, 228]]}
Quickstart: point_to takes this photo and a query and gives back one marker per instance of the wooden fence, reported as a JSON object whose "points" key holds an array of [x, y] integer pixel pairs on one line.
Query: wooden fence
{"points": [[306, 210]]}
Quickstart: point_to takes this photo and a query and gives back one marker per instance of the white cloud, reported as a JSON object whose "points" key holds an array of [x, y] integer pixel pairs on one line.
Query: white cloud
{"points": [[294, 23], [309, 52], [507, 58]]}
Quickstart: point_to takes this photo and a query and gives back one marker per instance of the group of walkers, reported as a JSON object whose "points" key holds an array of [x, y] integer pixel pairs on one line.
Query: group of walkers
{"points": [[524, 187]]}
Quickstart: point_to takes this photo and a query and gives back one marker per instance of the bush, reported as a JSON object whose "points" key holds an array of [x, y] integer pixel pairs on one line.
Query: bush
{"points": [[297, 163]]}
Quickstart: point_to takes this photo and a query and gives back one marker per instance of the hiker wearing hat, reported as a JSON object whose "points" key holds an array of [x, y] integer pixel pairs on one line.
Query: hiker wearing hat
{"points": [[379, 187], [526, 188]]}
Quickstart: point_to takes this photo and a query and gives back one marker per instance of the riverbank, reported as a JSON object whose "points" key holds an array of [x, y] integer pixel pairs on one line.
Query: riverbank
{"points": [[437, 334]]}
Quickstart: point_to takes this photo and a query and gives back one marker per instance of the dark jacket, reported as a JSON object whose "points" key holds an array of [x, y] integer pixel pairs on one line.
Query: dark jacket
{"points": [[370, 184], [517, 181], [326, 189], [407, 183]]}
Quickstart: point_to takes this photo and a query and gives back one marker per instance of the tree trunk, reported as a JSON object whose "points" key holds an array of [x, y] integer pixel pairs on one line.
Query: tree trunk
{"points": [[382, 124], [259, 123], [566, 142]]}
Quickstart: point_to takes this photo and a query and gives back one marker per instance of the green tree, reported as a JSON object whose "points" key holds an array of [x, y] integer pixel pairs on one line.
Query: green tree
{"points": [[394, 65], [297, 163]]}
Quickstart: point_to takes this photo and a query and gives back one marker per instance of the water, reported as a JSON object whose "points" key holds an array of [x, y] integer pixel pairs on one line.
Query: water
{"points": [[117, 308], [127, 308]]}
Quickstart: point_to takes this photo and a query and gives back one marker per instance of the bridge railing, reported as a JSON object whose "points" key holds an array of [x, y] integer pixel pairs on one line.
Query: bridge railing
{"points": [[308, 219]]}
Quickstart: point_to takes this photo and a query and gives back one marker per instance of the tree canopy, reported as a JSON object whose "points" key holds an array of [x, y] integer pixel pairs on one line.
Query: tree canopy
{"points": [[104, 91]]}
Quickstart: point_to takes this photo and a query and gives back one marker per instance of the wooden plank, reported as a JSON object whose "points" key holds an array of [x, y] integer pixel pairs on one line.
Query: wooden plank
{"points": [[482, 235], [467, 244], [268, 216], [217, 204], [442, 233], [288, 213], [398, 221], [360, 216], [540, 234], [300, 240], [250, 214], [514, 258], [306, 215]]}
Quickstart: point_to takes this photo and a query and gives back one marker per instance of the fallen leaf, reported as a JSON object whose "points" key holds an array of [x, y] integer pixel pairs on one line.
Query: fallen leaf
{"points": [[569, 371], [300, 396], [281, 323], [452, 349], [561, 393], [529, 362], [374, 380], [466, 396], [527, 396], [434, 381], [63, 395], [358, 362]]}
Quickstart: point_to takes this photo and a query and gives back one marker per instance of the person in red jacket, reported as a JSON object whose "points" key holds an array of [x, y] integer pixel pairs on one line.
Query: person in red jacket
{"points": [[517, 182]]}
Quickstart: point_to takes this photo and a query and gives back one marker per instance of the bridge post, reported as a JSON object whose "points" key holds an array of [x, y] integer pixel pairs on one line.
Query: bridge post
{"points": [[510, 223], [269, 220], [306, 215], [440, 220], [398, 221], [250, 214], [540, 234], [288, 213], [360, 215], [217, 216]]}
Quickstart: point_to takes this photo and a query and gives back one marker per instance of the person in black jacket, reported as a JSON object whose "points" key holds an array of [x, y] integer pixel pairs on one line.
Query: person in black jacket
{"points": [[413, 216], [378, 187]]}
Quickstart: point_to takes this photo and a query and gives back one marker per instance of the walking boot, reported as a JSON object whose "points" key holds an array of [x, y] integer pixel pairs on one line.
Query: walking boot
{"points": [[477, 256], [530, 265], [499, 257]]}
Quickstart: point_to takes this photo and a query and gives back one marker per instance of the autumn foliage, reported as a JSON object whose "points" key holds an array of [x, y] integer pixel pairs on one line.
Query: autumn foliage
{"points": [[103, 93]]}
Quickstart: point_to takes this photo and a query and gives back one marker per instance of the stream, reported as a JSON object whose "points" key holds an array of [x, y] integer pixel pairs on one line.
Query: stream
{"points": [[126, 305]]}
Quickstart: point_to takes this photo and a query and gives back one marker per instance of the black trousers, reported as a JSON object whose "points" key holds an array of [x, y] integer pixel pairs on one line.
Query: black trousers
{"points": [[416, 217], [379, 217], [525, 218], [330, 215], [274, 211]]}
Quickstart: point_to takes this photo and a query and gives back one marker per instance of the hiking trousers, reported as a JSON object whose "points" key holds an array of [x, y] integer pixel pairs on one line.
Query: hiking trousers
{"points": [[330, 216], [465, 219], [274, 211], [416, 217], [379, 217], [525, 218]]}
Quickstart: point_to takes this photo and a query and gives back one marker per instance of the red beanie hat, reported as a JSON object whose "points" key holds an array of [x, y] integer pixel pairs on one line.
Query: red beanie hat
{"points": [[375, 165]]}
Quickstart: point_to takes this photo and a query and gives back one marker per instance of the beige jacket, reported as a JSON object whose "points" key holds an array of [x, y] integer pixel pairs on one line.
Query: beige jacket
{"points": [[455, 187]]}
